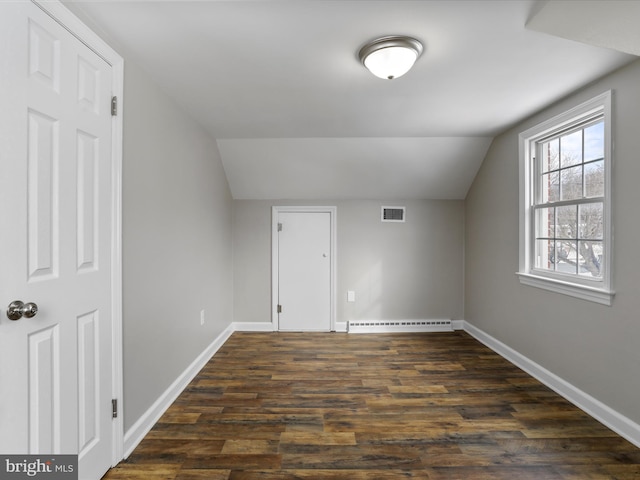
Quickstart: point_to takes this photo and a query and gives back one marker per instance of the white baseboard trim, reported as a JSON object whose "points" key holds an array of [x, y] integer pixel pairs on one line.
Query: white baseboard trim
{"points": [[252, 327], [614, 420], [268, 327], [138, 430]]}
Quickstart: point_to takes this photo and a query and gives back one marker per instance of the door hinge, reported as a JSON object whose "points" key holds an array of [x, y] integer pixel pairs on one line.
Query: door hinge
{"points": [[279, 308], [279, 227], [114, 106], [114, 408]]}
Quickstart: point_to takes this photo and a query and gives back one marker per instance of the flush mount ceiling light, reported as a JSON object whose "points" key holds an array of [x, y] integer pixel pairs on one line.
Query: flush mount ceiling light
{"points": [[390, 57]]}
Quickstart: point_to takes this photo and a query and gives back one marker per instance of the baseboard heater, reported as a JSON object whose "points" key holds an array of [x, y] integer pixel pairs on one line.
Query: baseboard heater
{"points": [[389, 326]]}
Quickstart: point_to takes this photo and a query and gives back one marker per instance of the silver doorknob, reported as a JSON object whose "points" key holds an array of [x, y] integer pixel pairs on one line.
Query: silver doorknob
{"points": [[16, 310]]}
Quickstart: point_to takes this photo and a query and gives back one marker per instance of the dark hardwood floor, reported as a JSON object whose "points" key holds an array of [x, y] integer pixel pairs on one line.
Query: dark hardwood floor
{"points": [[378, 406]]}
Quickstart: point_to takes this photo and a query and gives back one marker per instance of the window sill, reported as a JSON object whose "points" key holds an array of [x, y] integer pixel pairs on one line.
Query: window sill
{"points": [[597, 295]]}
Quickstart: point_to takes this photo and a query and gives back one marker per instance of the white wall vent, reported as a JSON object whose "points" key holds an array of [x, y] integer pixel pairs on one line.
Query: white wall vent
{"points": [[393, 214], [390, 326]]}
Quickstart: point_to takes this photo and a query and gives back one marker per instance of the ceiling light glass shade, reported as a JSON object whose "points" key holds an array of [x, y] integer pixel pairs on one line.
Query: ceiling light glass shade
{"points": [[390, 57]]}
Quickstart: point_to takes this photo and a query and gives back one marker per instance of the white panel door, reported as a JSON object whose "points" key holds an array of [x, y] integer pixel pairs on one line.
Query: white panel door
{"points": [[304, 271], [55, 242]]}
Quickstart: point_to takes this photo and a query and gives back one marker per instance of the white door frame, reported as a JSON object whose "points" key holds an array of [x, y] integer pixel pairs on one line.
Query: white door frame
{"points": [[275, 293], [73, 24]]}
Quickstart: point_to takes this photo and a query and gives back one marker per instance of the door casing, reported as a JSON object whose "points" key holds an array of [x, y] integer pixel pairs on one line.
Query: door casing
{"points": [[275, 211]]}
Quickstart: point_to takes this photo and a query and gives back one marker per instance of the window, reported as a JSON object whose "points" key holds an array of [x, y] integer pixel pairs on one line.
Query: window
{"points": [[565, 208]]}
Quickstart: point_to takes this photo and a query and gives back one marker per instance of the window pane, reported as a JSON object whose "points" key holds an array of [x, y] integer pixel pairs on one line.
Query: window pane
{"points": [[594, 142], [566, 257], [571, 149], [566, 222], [571, 180], [594, 179], [590, 258], [545, 254], [591, 221], [545, 223], [550, 187], [550, 155]]}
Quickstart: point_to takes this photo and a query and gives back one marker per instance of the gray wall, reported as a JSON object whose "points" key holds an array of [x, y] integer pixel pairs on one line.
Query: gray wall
{"points": [[411, 270], [593, 347], [177, 243]]}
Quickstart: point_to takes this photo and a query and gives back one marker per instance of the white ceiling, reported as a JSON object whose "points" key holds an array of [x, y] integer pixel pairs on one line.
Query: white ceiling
{"points": [[279, 84]]}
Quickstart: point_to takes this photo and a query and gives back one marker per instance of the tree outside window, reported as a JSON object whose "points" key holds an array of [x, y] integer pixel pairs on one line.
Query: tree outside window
{"points": [[569, 227]]}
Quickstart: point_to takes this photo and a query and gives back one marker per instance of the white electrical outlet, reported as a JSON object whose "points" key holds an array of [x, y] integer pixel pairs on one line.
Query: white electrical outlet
{"points": [[351, 296], [201, 317]]}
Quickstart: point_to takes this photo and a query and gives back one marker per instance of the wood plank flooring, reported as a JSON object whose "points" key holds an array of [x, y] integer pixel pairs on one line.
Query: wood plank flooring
{"points": [[379, 406]]}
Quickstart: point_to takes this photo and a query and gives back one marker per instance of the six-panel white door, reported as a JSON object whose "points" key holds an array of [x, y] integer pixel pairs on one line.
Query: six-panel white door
{"points": [[55, 206], [304, 271]]}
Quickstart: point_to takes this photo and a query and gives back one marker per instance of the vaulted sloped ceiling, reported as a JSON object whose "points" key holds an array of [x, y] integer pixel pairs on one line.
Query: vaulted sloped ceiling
{"points": [[279, 85]]}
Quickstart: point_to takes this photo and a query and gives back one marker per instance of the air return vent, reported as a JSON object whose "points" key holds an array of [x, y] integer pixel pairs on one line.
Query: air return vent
{"points": [[393, 214]]}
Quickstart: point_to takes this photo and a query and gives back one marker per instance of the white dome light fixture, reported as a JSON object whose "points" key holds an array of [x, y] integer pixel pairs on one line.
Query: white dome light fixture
{"points": [[390, 57]]}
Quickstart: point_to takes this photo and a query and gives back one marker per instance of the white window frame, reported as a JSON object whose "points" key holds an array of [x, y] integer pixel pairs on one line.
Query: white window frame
{"points": [[596, 290]]}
